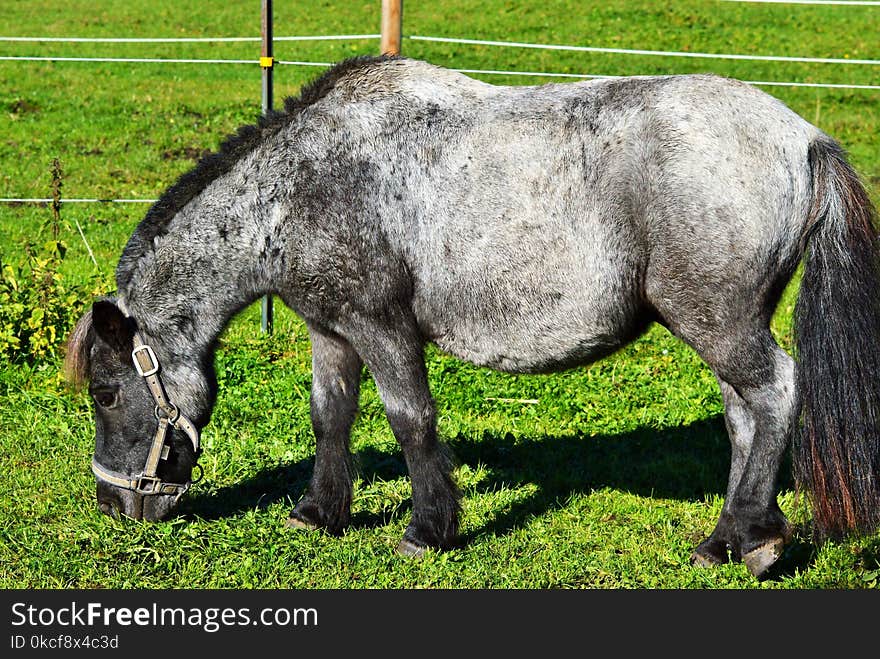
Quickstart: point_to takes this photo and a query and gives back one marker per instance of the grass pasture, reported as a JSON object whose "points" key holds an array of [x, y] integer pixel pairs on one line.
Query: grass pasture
{"points": [[601, 477]]}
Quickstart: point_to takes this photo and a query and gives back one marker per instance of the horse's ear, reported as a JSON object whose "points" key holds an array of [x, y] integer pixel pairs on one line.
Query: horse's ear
{"points": [[112, 325]]}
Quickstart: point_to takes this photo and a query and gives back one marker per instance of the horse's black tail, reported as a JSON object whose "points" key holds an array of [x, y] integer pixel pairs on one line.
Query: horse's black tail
{"points": [[837, 325]]}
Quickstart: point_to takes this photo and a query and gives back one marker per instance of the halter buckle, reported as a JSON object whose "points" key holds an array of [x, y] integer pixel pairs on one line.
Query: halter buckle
{"points": [[148, 485], [153, 367]]}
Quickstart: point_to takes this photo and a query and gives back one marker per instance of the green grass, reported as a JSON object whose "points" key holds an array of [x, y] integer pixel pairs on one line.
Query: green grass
{"points": [[602, 477]]}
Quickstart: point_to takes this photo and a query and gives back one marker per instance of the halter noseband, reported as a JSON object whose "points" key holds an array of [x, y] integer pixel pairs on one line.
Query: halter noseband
{"points": [[168, 415]]}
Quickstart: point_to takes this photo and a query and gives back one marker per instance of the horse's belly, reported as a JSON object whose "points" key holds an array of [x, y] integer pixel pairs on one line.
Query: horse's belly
{"points": [[525, 353], [531, 282], [530, 297], [534, 332]]}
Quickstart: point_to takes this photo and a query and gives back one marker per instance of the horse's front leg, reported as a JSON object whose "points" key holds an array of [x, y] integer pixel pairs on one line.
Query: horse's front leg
{"points": [[336, 373], [395, 358]]}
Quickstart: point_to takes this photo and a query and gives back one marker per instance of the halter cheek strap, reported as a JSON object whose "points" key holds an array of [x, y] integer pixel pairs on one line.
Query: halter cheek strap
{"points": [[168, 416]]}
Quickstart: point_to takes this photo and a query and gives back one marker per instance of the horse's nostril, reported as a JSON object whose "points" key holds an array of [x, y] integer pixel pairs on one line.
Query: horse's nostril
{"points": [[108, 509]]}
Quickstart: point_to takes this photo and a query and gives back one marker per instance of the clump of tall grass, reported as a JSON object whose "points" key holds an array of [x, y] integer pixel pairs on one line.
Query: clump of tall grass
{"points": [[39, 305]]}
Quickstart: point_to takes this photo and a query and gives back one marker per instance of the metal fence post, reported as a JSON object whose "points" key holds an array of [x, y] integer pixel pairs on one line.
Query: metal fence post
{"points": [[267, 63]]}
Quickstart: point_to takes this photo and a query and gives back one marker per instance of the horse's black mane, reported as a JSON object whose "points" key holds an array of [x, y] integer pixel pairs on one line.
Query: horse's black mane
{"points": [[234, 147]]}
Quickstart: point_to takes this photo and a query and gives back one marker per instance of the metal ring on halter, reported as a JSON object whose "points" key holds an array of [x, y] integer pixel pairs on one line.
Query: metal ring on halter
{"points": [[171, 419]]}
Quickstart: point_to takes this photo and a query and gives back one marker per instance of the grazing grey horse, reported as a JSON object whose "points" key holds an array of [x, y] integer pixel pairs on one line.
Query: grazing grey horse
{"points": [[525, 229]]}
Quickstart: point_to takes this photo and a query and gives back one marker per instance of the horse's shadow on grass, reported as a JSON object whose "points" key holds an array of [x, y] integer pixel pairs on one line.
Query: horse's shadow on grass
{"points": [[687, 463]]}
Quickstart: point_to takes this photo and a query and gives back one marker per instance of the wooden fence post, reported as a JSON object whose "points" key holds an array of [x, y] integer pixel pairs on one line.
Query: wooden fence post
{"points": [[392, 17]]}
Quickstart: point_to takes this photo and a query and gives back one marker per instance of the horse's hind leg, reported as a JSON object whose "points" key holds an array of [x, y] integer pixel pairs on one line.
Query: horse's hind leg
{"points": [[757, 383], [741, 431], [336, 372]]}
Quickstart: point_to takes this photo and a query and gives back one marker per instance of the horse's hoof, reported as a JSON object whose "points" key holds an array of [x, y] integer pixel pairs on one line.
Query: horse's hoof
{"points": [[410, 549], [296, 522], [704, 560], [759, 560], [710, 553]]}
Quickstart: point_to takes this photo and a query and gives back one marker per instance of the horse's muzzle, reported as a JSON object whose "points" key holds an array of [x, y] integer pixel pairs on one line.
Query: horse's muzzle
{"points": [[118, 502]]}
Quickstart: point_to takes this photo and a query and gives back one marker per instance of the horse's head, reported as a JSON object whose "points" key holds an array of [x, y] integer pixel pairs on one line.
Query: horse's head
{"points": [[146, 446]]}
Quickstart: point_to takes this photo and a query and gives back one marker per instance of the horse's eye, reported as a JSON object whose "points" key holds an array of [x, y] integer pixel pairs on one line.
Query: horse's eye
{"points": [[105, 398]]}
